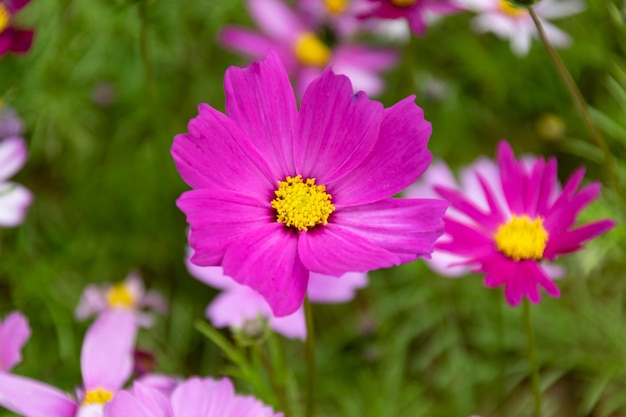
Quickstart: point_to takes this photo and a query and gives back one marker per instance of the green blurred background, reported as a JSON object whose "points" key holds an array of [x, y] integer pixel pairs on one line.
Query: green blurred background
{"points": [[108, 84]]}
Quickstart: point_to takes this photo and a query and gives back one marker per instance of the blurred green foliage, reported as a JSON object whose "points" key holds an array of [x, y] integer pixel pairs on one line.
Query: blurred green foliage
{"points": [[108, 84]]}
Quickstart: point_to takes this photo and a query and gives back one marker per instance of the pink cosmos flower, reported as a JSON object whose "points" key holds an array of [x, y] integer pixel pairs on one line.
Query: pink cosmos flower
{"points": [[414, 11], [303, 52], [516, 24], [438, 174], [14, 198], [129, 294], [194, 397], [13, 39], [14, 332], [106, 363], [509, 238], [238, 305], [279, 193]]}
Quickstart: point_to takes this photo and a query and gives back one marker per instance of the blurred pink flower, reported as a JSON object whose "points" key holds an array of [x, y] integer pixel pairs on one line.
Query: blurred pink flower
{"points": [[129, 294], [438, 174], [238, 304], [14, 332], [414, 11], [106, 363], [201, 397], [14, 198], [523, 223], [303, 52], [280, 192], [516, 24], [13, 39]]}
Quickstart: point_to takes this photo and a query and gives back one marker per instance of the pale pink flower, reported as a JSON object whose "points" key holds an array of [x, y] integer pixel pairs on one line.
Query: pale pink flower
{"points": [[195, 397], [238, 305], [106, 363], [14, 332], [14, 198], [129, 294]]}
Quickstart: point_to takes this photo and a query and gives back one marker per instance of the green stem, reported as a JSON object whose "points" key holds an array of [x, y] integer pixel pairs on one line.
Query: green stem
{"points": [[578, 100], [310, 358], [532, 357], [278, 389]]}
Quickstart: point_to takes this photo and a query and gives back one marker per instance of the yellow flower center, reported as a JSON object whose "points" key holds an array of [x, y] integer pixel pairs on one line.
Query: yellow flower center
{"points": [[119, 296], [302, 204], [522, 238], [97, 396], [336, 6], [5, 17], [403, 3], [310, 50], [510, 9]]}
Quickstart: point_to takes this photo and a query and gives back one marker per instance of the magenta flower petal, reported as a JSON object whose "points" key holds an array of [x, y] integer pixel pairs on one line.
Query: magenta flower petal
{"points": [[125, 405], [107, 355], [338, 250], [6, 39], [391, 158], [260, 100], [14, 332], [14, 201], [215, 140], [30, 398], [217, 219], [255, 45], [154, 400], [197, 397], [404, 227], [233, 307], [573, 240], [15, 6], [21, 40], [336, 129], [267, 259]]}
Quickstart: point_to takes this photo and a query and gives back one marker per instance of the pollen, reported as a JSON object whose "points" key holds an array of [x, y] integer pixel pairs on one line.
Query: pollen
{"points": [[522, 238], [336, 6], [119, 296], [403, 3], [5, 17], [97, 396], [301, 204], [310, 50], [510, 9]]}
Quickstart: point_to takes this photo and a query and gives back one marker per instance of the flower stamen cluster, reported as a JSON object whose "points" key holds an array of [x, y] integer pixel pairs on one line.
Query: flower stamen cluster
{"points": [[522, 238], [310, 50], [403, 3], [302, 204], [512, 10], [336, 6], [5, 17], [120, 296], [97, 396]]}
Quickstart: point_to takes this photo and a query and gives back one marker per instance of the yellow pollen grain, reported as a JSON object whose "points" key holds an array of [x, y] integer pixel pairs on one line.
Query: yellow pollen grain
{"points": [[522, 238], [336, 6], [509, 9], [97, 396], [310, 50], [403, 3], [119, 296], [5, 17], [301, 204]]}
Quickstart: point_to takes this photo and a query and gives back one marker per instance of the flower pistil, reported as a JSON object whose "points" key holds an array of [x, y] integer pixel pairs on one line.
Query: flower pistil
{"points": [[310, 50], [97, 396], [301, 204], [5, 17], [522, 238], [120, 296]]}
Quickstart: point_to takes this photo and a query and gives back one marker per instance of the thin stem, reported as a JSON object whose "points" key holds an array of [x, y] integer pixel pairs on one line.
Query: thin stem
{"points": [[310, 358], [532, 357], [578, 99], [278, 389]]}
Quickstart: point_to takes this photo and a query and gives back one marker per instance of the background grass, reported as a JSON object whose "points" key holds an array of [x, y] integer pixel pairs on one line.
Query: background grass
{"points": [[109, 83]]}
